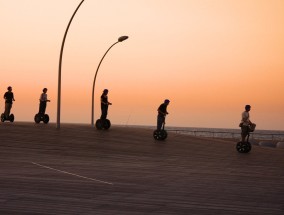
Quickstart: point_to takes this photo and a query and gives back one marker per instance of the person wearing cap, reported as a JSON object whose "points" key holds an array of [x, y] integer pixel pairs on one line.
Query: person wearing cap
{"points": [[104, 104], [9, 98], [245, 122], [162, 112], [42, 101]]}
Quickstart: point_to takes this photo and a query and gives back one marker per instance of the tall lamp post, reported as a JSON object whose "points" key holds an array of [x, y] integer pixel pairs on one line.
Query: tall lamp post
{"points": [[60, 64], [120, 39]]}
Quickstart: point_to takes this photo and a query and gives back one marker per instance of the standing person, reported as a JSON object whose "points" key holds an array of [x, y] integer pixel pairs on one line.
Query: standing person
{"points": [[42, 101], [162, 112], [246, 123], [104, 104], [9, 98]]}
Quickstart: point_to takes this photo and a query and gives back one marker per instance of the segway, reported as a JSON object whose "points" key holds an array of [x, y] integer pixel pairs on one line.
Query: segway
{"points": [[41, 117], [103, 124], [245, 147], [10, 118], [160, 134]]}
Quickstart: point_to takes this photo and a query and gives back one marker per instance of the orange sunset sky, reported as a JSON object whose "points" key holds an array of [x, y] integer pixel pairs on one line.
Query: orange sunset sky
{"points": [[209, 57]]}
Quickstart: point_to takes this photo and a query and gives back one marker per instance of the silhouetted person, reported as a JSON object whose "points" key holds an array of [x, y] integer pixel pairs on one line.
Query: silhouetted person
{"points": [[104, 104], [42, 101], [9, 98], [162, 112], [245, 123]]}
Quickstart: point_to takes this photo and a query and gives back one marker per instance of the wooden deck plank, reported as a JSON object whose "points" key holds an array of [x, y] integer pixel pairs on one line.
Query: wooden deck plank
{"points": [[183, 175]]}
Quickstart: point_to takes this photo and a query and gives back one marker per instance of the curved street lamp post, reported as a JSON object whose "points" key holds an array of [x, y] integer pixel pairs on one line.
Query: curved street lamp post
{"points": [[120, 39], [60, 65]]}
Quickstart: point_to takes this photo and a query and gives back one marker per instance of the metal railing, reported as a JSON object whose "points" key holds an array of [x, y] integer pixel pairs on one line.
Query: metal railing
{"points": [[228, 134]]}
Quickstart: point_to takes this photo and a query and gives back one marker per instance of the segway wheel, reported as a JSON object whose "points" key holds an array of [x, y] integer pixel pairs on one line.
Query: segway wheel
{"points": [[45, 118], [248, 147], [2, 117], [37, 118], [160, 134], [107, 124], [12, 118], [164, 134], [243, 147], [99, 125]]}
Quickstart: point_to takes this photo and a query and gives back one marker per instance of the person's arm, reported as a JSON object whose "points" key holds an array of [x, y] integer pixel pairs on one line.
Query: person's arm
{"points": [[40, 98], [102, 100], [13, 98], [161, 112], [43, 98], [105, 103], [245, 118]]}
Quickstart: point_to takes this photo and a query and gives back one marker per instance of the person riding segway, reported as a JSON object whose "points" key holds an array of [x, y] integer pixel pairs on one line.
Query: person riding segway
{"points": [[41, 116], [160, 133], [9, 98], [103, 122], [247, 126]]}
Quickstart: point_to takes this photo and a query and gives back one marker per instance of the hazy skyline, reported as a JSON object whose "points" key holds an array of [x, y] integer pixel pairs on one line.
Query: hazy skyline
{"points": [[210, 58]]}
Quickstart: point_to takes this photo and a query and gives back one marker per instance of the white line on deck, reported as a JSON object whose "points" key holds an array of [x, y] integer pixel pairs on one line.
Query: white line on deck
{"points": [[69, 173]]}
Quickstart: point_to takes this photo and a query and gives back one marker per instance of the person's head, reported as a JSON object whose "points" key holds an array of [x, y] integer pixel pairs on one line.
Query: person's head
{"points": [[247, 107], [167, 101], [9, 88], [44, 90], [105, 91]]}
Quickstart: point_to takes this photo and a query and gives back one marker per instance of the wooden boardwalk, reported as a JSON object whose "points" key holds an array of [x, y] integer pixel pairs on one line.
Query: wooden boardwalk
{"points": [[79, 170]]}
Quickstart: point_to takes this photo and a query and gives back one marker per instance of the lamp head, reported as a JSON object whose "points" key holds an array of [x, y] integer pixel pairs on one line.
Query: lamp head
{"points": [[122, 38]]}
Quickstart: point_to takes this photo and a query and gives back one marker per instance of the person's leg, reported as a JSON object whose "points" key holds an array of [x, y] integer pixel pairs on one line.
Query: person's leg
{"points": [[104, 112], [243, 137], [40, 108], [43, 107], [160, 121], [8, 107], [244, 132], [6, 111]]}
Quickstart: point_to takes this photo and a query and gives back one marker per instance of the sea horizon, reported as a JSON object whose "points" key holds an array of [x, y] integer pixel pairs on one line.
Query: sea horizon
{"points": [[235, 133], [167, 127]]}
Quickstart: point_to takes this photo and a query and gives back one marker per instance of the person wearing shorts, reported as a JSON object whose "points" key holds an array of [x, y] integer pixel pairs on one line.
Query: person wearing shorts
{"points": [[245, 123]]}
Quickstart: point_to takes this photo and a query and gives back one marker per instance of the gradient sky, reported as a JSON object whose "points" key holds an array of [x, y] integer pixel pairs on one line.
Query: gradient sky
{"points": [[209, 57]]}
